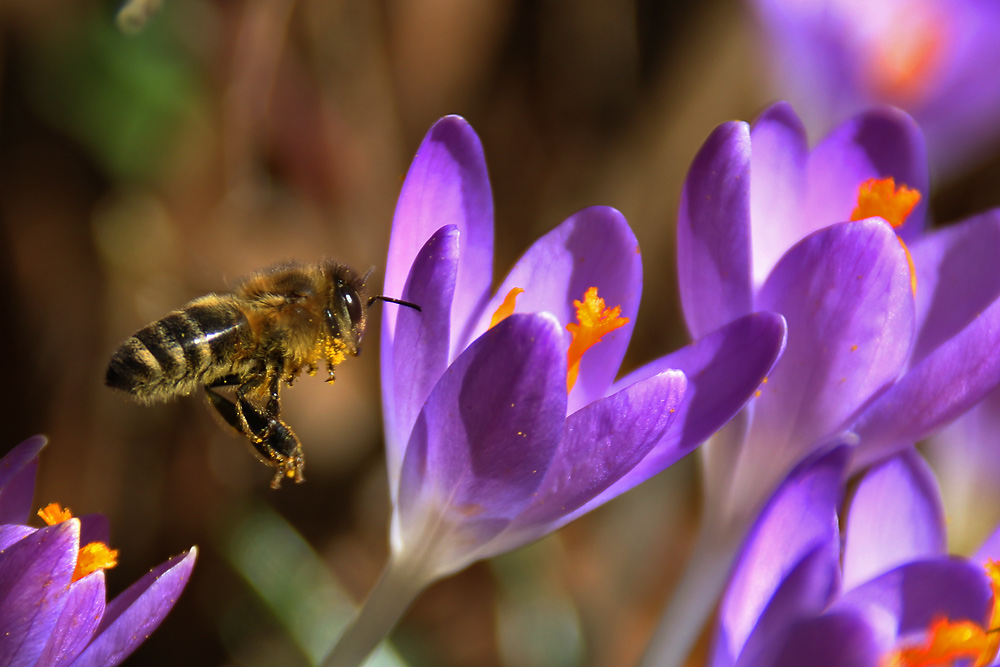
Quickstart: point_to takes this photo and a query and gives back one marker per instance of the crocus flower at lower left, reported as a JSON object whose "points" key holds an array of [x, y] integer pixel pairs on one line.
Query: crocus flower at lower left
{"points": [[503, 417], [53, 608]]}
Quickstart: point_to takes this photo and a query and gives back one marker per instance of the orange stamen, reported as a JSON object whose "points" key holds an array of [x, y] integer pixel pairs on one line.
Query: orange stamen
{"points": [[594, 320], [505, 309], [880, 197], [52, 514], [948, 641], [91, 557]]}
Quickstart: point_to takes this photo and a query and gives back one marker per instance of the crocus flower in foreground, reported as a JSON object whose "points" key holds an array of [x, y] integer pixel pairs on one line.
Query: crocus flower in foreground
{"points": [[501, 424], [937, 59], [894, 598], [891, 332], [53, 608]]}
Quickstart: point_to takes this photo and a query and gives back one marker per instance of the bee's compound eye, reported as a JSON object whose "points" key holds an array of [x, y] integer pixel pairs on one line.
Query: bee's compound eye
{"points": [[352, 302]]}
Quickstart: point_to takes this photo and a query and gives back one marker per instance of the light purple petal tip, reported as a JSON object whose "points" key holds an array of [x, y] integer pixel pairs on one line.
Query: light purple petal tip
{"points": [[17, 480], [876, 144], [422, 342], [592, 248], [34, 575], [713, 232], [489, 429], [447, 184], [896, 516], [134, 614], [779, 154]]}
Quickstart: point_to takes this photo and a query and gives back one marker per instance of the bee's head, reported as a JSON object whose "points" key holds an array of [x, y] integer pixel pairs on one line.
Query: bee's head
{"points": [[346, 307]]}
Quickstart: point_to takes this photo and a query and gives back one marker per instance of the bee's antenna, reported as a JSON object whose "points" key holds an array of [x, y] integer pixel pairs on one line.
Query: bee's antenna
{"points": [[399, 302]]}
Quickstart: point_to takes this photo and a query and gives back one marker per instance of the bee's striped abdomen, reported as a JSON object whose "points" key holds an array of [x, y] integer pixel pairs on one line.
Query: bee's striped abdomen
{"points": [[186, 348]]}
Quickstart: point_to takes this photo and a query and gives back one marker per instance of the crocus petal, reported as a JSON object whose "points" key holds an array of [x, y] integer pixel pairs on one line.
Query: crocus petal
{"points": [[958, 276], [431, 284], [779, 153], [805, 591], [875, 144], [713, 232], [845, 292], [17, 480], [34, 575], [485, 437], [592, 248], [895, 517], [799, 518], [134, 614], [919, 592], [78, 621], [12, 532], [949, 381], [843, 638], [600, 443], [447, 184], [723, 371], [989, 549]]}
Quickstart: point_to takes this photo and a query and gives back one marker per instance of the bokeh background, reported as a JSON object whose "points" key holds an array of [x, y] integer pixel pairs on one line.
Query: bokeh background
{"points": [[139, 171]]}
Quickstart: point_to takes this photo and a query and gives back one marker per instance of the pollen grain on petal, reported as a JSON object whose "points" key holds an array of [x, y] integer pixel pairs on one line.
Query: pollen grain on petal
{"points": [[506, 309], [594, 320], [52, 514]]}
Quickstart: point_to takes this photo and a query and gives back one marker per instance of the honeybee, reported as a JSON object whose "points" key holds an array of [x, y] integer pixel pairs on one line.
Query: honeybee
{"points": [[279, 322]]}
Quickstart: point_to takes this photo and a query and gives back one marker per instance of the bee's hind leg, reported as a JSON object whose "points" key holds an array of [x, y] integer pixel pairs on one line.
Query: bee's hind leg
{"points": [[273, 440]]}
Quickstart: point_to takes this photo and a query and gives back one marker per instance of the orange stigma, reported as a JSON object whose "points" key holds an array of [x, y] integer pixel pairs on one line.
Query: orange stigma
{"points": [[948, 641], [505, 309], [594, 320], [879, 197], [91, 557]]}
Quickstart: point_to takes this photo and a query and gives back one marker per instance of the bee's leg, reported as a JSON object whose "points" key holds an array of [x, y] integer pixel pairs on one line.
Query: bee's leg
{"points": [[273, 440]]}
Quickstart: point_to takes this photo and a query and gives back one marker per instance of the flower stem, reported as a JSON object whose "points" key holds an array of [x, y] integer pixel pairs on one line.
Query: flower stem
{"points": [[395, 590], [698, 592]]}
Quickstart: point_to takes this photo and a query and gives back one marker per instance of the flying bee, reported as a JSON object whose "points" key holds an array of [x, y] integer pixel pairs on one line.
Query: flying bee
{"points": [[278, 323]]}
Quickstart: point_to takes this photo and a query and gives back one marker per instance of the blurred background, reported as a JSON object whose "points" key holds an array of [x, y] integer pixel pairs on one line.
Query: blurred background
{"points": [[141, 168]]}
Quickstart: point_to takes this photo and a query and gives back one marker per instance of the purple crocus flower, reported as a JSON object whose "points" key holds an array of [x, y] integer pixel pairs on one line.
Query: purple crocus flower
{"points": [[486, 448], [937, 59], [793, 599], [52, 612], [888, 349]]}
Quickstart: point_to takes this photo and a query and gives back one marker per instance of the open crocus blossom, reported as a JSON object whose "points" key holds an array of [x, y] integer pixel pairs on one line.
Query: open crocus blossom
{"points": [[503, 418], [885, 594], [892, 331], [53, 608], [937, 59]]}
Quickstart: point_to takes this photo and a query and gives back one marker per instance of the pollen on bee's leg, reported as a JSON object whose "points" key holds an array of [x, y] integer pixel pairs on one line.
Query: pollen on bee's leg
{"points": [[506, 309], [594, 320]]}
